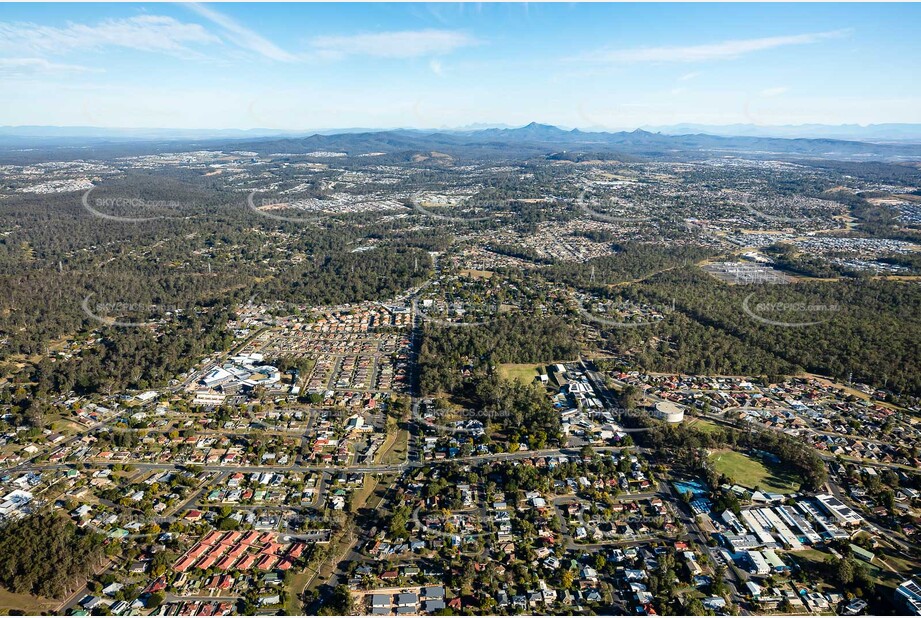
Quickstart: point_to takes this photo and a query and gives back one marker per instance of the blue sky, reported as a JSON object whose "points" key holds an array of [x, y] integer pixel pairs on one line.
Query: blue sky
{"points": [[316, 66]]}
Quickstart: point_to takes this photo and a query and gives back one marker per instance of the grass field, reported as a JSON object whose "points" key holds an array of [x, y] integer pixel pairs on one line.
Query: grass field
{"points": [[902, 565], [372, 493], [476, 274], [296, 585], [815, 555], [523, 373], [395, 450], [704, 426], [25, 603], [751, 472]]}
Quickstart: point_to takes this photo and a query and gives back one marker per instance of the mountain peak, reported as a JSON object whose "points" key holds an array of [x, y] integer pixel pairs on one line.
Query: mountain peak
{"points": [[539, 126]]}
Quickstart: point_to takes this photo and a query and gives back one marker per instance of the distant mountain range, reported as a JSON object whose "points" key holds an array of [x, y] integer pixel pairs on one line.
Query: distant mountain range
{"points": [[681, 141], [854, 132], [134, 134], [869, 133], [545, 139]]}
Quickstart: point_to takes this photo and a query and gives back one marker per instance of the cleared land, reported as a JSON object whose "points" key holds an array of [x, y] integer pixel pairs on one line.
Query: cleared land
{"points": [[751, 472], [704, 425], [526, 372], [11, 602], [396, 448], [476, 274]]}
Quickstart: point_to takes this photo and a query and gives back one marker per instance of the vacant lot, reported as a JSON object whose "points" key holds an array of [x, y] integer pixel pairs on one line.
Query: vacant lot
{"points": [[27, 604], [476, 274], [704, 426], [523, 373], [752, 472], [394, 450]]}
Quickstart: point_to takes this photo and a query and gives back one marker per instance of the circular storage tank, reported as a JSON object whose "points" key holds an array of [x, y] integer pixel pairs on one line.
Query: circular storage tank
{"points": [[669, 412]]}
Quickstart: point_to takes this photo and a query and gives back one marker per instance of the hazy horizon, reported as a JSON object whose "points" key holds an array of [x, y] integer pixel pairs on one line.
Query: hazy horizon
{"points": [[320, 67]]}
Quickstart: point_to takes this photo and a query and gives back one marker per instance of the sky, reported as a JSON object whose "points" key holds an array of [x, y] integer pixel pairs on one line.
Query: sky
{"points": [[322, 66]]}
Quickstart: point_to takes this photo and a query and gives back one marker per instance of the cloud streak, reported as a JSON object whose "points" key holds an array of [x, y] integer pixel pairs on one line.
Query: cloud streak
{"points": [[150, 33], [774, 92], [18, 67], [242, 36], [723, 50], [30, 44], [397, 44]]}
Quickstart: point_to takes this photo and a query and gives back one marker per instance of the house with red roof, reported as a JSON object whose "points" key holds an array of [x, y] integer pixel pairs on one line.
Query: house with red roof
{"points": [[184, 563], [284, 565], [158, 585], [296, 550], [267, 562], [238, 551], [226, 562], [207, 562], [199, 550], [272, 548], [246, 562], [231, 538], [213, 537]]}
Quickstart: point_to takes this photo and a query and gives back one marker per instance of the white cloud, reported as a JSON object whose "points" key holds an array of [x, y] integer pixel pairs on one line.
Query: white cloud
{"points": [[242, 36], [713, 51], [774, 92], [436, 67], [689, 76], [145, 32], [398, 44], [10, 67]]}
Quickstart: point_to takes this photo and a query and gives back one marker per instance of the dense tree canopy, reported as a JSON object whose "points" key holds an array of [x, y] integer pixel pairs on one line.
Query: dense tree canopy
{"points": [[46, 555]]}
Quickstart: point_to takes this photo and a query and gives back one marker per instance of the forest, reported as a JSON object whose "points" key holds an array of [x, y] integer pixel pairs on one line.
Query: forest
{"points": [[868, 331], [182, 272], [46, 555], [446, 351], [691, 444], [172, 281], [461, 363]]}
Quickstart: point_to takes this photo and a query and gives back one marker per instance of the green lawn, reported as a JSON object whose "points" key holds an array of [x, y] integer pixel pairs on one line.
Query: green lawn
{"points": [[704, 426], [751, 472], [815, 555], [902, 565], [296, 585], [394, 450], [526, 372]]}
